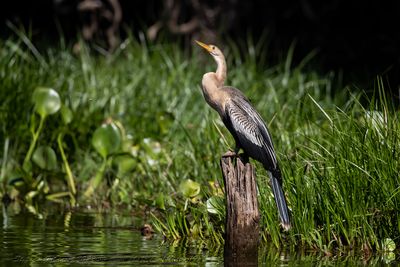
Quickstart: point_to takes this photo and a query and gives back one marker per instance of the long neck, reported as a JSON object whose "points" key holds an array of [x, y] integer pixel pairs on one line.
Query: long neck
{"points": [[221, 70], [211, 91], [211, 83]]}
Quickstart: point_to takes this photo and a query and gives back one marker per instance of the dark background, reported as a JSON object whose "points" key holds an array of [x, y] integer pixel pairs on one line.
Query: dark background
{"points": [[359, 38]]}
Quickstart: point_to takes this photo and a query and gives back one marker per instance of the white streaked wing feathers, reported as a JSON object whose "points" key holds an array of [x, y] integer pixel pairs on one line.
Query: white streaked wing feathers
{"points": [[248, 123]]}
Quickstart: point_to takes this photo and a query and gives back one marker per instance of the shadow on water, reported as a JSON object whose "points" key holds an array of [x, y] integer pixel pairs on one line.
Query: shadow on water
{"points": [[76, 238]]}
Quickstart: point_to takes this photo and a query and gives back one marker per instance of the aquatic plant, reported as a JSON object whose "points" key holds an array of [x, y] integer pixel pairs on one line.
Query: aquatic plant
{"points": [[338, 149]]}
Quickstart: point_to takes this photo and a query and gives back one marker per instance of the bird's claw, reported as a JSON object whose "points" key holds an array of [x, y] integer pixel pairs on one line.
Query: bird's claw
{"points": [[230, 154]]}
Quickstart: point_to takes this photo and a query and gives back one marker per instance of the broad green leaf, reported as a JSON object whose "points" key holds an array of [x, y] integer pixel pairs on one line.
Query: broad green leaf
{"points": [[66, 114], [45, 158], [106, 139], [388, 245], [125, 164], [46, 101], [388, 257], [189, 188]]}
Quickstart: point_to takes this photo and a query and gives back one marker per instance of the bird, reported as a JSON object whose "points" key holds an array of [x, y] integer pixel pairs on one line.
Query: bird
{"points": [[245, 124]]}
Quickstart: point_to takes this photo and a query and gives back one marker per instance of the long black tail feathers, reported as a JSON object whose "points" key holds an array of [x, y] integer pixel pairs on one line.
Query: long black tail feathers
{"points": [[280, 203]]}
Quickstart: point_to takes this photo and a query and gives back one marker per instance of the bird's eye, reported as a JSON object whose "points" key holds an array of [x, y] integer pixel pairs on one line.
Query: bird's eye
{"points": [[213, 47]]}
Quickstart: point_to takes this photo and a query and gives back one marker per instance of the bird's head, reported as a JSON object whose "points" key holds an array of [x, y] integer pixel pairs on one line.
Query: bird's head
{"points": [[212, 49]]}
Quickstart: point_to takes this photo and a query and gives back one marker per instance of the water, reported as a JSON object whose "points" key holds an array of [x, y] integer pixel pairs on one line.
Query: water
{"points": [[85, 239], [74, 238]]}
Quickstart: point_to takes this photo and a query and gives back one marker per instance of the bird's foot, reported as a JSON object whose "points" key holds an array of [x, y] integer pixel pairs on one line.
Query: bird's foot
{"points": [[230, 154], [286, 226]]}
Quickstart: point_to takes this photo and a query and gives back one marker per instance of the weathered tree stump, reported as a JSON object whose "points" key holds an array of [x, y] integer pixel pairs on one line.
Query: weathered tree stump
{"points": [[242, 214]]}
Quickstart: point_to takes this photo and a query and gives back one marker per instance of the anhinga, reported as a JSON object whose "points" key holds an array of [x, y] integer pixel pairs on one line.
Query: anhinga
{"points": [[245, 124]]}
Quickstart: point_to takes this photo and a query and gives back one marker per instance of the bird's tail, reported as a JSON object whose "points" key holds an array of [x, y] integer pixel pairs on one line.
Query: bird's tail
{"points": [[280, 200]]}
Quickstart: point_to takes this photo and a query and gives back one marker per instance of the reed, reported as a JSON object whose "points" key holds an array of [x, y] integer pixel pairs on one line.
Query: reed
{"points": [[339, 157]]}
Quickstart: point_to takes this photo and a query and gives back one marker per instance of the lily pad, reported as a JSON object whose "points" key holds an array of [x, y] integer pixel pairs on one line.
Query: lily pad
{"points": [[45, 158], [388, 245], [46, 100], [106, 139], [189, 188]]}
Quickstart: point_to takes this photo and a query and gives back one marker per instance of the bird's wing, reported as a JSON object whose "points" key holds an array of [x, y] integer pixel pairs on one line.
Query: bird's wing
{"points": [[251, 132]]}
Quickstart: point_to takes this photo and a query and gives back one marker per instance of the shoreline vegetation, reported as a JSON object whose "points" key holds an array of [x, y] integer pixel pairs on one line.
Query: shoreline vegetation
{"points": [[132, 130]]}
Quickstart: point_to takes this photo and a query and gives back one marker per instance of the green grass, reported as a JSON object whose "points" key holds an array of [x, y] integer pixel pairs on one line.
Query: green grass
{"points": [[339, 158]]}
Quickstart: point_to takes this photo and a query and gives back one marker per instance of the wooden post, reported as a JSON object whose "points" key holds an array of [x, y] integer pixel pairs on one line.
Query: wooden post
{"points": [[242, 214]]}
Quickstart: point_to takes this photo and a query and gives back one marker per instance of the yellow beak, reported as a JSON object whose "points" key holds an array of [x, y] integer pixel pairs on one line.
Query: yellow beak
{"points": [[206, 47]]}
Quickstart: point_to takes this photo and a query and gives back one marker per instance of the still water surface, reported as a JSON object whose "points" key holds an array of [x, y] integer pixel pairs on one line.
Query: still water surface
{"points": [[92, 239], [85, 239]]}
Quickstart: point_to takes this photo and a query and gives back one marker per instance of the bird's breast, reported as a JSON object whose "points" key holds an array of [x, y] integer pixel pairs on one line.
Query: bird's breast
{"points": [[216, 99]]}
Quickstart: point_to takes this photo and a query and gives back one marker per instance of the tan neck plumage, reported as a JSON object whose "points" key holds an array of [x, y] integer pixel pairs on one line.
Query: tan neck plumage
{"points": [[211, 84]]}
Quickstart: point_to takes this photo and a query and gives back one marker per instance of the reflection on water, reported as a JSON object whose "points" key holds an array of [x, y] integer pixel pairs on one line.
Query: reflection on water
{"points": [[113, 239], [87, 238]]}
